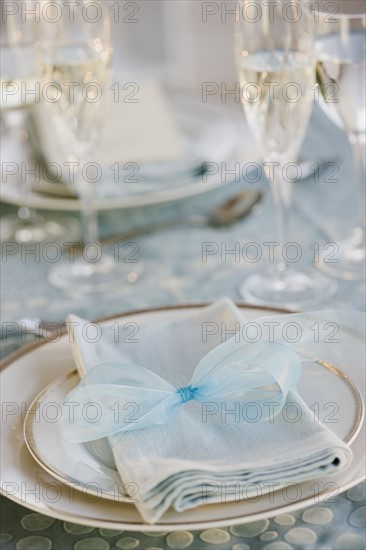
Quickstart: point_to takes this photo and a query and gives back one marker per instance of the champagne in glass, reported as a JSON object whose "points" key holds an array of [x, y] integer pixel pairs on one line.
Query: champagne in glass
{"points": [[78, 115], [276, 122], [276, 68], [341, 73], [75, 56], [18, 93]]}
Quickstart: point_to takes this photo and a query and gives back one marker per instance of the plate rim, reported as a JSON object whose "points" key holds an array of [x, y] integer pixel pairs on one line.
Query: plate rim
{"points": [[27, 348], [81, 518]]}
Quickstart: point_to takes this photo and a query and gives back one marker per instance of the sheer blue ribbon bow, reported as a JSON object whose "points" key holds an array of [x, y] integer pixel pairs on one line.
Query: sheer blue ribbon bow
{"points": [[115, 398]]}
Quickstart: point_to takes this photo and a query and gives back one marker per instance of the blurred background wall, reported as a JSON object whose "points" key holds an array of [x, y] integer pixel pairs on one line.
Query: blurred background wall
{"points": [[187, 42]]}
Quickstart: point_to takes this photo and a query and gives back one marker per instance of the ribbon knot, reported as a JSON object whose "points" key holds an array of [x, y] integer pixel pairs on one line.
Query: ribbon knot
{"points": [[186, 393]]}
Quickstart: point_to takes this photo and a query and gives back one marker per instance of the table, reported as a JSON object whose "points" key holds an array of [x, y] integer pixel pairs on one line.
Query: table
{"points": [[174, 272]]}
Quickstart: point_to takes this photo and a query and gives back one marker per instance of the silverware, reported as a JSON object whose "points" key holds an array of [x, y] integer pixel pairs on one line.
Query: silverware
{"points": [[231, 211], [227, 213]]}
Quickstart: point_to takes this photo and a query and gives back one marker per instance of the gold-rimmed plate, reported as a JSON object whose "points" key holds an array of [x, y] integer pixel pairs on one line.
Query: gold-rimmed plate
{"points": [[26, 482], [90, 468]]}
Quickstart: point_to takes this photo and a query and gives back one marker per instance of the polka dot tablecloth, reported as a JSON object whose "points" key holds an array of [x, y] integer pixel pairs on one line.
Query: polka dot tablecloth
{"points": [[173, 272], [337, 526]]}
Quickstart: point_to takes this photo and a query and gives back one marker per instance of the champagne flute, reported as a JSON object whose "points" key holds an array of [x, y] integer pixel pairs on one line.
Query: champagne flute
{"points": [[341, 72], [276, 66], [74, 54], [18, 80]]}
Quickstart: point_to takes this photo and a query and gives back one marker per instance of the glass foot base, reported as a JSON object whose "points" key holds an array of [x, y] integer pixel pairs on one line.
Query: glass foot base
{"points": [[349, 262], [293, 289], [84, 277], [36, 230]]}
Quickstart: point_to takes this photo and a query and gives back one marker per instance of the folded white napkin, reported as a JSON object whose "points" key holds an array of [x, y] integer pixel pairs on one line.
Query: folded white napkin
{"points": [[143, 130], [185, 462]]}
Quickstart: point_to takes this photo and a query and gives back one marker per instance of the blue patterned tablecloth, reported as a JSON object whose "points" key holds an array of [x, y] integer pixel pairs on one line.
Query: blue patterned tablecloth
{"points": [[173, 273]]}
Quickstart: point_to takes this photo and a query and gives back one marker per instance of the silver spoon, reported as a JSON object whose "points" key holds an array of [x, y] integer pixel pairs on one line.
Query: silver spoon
{"points": [[227, 213]]}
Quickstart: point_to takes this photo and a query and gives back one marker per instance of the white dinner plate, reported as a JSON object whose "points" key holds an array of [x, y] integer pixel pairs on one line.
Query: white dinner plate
{"points": [[91, 468], [23, 480], [216, 134]]}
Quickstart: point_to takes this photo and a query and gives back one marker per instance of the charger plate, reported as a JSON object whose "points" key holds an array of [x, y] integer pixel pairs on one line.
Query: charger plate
{"points": [[211, 133], [25, 481]]}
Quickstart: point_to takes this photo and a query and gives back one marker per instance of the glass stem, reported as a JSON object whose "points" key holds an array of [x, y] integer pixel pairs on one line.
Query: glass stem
{"points": [[358, 150], [89, 218], [19, 124], [281, 194], [90, 232]]}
